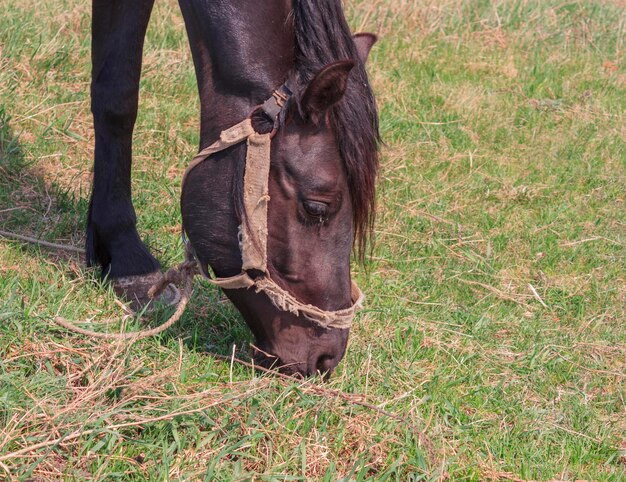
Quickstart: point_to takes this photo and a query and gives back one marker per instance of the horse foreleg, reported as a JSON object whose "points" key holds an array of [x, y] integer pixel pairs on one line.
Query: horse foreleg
{"points": [[118, 30]]}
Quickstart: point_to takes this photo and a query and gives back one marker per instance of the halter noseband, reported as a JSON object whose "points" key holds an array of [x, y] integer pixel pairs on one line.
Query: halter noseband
{"points": [[253, 230]]}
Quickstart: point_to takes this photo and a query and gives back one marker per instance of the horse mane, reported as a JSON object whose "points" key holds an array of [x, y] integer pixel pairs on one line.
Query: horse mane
{"points": [[322, 36]]}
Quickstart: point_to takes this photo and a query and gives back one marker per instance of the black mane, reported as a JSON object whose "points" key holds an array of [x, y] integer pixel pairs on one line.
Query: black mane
{"points": [[323, 37]]}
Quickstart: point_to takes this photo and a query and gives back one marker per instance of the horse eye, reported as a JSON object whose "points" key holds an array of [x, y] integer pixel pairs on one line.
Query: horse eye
{"points": [[315, 208]]}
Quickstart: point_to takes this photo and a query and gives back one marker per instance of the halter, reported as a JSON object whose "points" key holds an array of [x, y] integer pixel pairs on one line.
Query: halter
{"points": [[253, 229]]}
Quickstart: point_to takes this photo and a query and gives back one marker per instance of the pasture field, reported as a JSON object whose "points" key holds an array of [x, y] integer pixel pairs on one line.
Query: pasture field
{"points": [[495, 324]]}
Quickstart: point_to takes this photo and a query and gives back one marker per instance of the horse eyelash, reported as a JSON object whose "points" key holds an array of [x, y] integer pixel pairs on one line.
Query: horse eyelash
{"points": [[310, 221]]}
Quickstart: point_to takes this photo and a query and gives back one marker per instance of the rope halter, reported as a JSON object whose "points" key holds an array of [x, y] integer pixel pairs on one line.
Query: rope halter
{"points": [[253, 230]]}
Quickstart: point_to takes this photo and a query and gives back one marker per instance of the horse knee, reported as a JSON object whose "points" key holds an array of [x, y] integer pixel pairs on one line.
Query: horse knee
{"points": [[113, 106]]}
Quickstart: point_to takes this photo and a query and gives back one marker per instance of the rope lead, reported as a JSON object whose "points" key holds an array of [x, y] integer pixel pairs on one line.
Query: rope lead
{"points": [[182, 275]]}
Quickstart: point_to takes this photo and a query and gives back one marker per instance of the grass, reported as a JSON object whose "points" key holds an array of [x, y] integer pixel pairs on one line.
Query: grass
{"points": [[496, 291]]}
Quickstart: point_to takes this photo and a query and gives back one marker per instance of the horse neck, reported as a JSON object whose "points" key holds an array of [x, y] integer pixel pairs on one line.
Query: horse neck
{"points": [[249, 53]]}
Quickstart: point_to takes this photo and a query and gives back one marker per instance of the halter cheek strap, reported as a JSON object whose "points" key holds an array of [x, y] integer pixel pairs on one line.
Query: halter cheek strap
{"points": [[253, 230]]}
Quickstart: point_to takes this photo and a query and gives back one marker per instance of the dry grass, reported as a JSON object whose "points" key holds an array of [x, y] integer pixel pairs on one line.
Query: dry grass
{"points": [[496, 294]]}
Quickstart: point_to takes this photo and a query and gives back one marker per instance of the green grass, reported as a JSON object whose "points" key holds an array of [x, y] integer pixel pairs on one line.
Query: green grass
{"points": [[504, 172]]}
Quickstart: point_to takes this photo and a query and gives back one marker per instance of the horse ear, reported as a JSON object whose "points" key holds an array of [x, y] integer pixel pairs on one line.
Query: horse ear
{"points": [[364, 42], [327, 88]]}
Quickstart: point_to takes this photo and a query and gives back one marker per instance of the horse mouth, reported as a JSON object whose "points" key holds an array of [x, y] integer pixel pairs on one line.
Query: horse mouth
{"points": [[268, 362], [271, 362]]}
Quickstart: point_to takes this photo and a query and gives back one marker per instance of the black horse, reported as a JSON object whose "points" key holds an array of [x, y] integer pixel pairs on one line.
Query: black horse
{"points": [[323, 157]]}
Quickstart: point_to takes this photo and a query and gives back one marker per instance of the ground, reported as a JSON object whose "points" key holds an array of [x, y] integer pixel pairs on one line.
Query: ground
{"points": [[494, 331]]}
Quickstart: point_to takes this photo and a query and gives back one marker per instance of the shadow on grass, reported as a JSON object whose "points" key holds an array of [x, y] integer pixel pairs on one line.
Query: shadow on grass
{"points": [[31, 206], [28, 204]]}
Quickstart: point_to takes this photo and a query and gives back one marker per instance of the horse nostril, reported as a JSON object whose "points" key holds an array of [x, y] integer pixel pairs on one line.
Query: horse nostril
{"points": [[325, 364]]}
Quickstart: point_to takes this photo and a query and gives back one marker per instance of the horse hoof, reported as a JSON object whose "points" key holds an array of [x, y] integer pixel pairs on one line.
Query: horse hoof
{"points": [[135, 290]]}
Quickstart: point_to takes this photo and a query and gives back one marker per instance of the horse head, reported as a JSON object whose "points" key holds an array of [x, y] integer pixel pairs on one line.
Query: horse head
{"points": [[311, 219]]}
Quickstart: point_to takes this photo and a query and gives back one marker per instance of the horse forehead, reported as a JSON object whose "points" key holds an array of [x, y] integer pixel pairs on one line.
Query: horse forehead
{"points": [[312, 154]]}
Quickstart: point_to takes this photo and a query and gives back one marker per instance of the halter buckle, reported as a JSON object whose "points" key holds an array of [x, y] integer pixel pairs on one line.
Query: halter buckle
{"points": [[273, 106]]}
